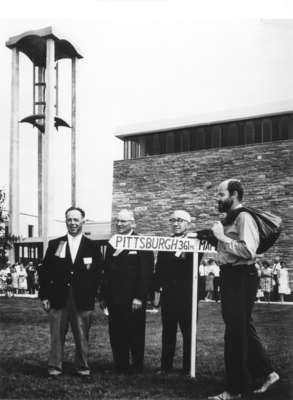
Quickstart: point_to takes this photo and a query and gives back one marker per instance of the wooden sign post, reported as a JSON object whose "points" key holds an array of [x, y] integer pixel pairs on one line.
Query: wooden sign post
{"points": [[177, 245]]}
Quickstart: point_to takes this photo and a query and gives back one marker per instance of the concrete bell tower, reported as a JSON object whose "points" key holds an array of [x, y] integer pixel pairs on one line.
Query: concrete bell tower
{"points": [[45, 49]]}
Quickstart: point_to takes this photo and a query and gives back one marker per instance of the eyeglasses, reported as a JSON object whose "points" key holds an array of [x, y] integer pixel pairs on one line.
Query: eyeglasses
{"points": [[179, 220], [122, 221]]}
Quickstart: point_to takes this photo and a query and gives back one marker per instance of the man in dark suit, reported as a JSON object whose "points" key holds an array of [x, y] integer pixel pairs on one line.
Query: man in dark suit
{"points": [[173, 278], [69, 282], [127, 279]]}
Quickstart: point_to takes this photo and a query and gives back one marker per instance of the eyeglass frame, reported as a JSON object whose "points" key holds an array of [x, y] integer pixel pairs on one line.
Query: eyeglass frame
{"points": [[179, 220]]}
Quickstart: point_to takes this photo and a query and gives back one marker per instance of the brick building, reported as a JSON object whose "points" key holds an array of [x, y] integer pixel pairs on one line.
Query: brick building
{"points": [[180, 167]]}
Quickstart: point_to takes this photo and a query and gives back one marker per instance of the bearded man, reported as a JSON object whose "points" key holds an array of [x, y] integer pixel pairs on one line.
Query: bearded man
{"points": [[238, 240]]}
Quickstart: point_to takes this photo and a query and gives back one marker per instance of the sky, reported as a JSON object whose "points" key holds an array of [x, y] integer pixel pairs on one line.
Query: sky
{"points": [[146, 63]]}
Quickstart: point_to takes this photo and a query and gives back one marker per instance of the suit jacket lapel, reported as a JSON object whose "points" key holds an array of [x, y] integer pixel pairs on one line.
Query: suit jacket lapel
{"points": [[60, 247]]}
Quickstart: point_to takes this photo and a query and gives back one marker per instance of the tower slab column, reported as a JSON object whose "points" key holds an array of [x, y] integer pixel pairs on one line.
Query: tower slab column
{"points": [[14, 147]]}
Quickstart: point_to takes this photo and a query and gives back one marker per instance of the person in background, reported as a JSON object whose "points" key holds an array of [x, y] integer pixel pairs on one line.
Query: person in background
{"points": [[39, 270], [22, 279], [3, 277], [18, 264], [9, 290], [14, 276], [210, 286], [275, 274], [126, 282], [267, 281], [30, 269], [259, 293], [283, 279], [214, 269], [36, 280], [202, 279]]}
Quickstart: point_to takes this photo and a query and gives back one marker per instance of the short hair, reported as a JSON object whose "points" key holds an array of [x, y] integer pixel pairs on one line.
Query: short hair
{"points": [[235, 185], [72, 208]]}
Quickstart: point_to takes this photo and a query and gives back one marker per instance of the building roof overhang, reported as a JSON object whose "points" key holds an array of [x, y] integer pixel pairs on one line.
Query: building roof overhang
{"points": [[211, 118]]}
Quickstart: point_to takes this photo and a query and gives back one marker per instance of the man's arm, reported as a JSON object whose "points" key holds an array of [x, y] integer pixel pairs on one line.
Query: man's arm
{"points": [[146, 268], [248, 241], [103, 293], [158, 275], [44, 278]]}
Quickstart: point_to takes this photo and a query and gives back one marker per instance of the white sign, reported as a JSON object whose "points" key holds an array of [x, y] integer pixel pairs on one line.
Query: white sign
{"points": [[161, 243]]}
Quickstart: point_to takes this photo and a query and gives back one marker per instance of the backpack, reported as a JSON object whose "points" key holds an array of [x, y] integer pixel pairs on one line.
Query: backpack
{"points": [[269, 226]]}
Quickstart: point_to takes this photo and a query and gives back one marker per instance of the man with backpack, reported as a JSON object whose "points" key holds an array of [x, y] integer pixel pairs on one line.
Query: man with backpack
{"points": [[238, 240]]}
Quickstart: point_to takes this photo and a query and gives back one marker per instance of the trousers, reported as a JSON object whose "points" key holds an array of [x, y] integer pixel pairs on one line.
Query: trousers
{"points": [[80, 322], [245, 356], [127, 336], [171, 318]]}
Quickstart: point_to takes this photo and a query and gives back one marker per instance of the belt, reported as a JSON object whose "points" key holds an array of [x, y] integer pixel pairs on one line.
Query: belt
{"points": [[242, 267]]}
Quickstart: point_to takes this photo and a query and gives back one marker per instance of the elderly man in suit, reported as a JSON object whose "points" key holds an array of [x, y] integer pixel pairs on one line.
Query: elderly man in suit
{"points": [[173, 278], [69, 282], [127, 279]]}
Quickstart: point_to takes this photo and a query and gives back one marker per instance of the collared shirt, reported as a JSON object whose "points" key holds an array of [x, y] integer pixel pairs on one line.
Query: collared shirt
{"points": [[241, 249], [74, 242]]}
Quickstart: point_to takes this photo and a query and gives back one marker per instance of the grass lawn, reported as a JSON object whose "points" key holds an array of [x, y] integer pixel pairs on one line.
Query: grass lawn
{"points": [[24, 345]]}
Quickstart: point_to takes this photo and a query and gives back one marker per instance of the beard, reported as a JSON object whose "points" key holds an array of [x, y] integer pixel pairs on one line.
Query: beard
{"points": [[225, 206]]}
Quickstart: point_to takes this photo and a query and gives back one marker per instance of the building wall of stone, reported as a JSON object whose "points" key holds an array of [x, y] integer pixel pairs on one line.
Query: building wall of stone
{"points": [[154, 186]]}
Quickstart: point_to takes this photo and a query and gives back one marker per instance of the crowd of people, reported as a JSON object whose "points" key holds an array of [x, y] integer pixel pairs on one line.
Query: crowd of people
{"points": [[273, 282], [18, 279]]}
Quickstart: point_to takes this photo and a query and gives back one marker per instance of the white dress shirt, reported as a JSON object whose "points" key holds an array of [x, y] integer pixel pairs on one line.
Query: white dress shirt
{"points": [[73, 243]]}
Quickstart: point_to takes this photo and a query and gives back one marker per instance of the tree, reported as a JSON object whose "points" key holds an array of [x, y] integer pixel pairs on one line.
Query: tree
{"points": [[6, 240]]}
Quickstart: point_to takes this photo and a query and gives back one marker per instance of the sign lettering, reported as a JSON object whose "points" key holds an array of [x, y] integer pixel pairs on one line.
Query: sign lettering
{"points": [[160, 243]]}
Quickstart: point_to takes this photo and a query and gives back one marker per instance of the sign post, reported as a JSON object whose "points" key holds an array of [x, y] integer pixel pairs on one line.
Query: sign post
{"points": [[177, 245], [194, 315]]}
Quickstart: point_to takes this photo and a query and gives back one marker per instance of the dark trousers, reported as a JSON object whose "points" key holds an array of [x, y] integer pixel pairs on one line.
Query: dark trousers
{"points": [[171, 318], [245, 356], [201, 287], [216, 288], [30, 286], [127, 336]]}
